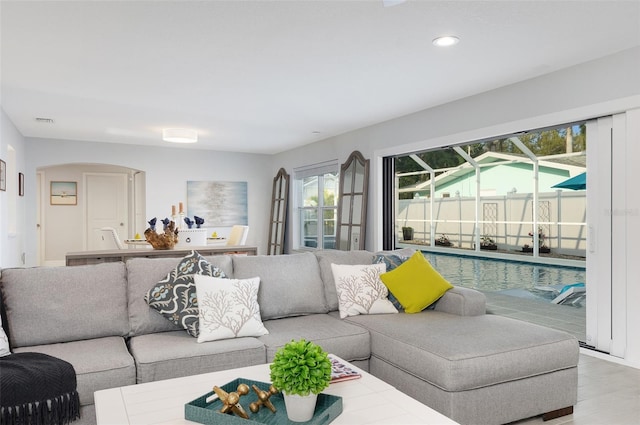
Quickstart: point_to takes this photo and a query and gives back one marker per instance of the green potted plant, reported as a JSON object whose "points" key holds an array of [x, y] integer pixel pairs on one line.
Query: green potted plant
{"points": [[443, 240], [301, 370], [542, 242], [486, 242]]}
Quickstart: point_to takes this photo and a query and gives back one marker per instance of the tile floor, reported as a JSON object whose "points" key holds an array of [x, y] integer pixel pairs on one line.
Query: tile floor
{"points": [[608, 393]]}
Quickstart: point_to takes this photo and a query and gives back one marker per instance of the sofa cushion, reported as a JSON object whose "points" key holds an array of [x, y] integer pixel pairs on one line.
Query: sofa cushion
{"points": [[360, 290], [99, 363], [143, 273], [415, 283], [174, 297], [290, 285], [336, 336], [459, 353], [401, 252], [332, 256], [228, 308], [40, 309], [181, 355], [223, 262]]}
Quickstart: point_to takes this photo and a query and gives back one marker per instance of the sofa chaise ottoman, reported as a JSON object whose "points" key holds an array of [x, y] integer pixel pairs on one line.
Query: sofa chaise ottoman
{"points": [[473, 367]]}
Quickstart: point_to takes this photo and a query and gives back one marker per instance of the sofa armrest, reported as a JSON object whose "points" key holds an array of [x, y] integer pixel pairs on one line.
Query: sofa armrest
{"points": [[463, 302]]}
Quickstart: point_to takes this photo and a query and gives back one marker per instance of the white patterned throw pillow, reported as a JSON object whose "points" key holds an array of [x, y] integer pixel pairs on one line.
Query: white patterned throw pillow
{"points": [[228, 308], [4, 342], [5, 349], [360, 290]]}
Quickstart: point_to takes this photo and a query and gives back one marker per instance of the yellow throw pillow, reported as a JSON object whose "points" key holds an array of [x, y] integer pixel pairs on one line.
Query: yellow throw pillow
{"points": [[415, 283]]}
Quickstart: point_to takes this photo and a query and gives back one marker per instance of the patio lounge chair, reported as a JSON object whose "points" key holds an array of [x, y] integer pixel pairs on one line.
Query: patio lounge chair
{"points": [[572, 294]]}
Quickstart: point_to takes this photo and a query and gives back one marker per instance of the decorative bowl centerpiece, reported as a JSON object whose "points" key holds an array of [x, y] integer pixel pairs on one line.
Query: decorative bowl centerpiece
{"points": [[166, 240]]}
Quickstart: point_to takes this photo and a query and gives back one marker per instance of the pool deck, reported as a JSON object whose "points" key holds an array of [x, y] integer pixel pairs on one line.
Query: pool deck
{"points": [[561, 317], [552, 258]]}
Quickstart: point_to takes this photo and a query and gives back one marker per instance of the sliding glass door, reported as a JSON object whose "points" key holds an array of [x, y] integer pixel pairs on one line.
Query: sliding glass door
{"points": [[606, 217]]}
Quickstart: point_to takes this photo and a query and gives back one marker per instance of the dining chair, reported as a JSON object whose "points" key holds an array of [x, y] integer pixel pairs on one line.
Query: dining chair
{"points": [[238, 235], [111, 238]]}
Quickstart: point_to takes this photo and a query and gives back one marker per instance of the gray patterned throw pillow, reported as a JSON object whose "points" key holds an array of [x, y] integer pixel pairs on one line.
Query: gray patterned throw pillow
{"points": [[391, 261], [174, 297]]}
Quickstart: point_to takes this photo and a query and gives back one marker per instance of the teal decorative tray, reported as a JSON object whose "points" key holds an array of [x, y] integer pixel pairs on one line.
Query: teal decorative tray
{"points": [[328, 407]]}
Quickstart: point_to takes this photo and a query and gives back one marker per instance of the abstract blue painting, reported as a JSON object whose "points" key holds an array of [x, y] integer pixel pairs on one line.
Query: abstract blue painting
{"points": [[221, 204]]}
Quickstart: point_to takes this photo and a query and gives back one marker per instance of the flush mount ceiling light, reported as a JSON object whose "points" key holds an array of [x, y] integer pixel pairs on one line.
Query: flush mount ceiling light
{"points": [[445, 41], [179, 135], [391, 3]]}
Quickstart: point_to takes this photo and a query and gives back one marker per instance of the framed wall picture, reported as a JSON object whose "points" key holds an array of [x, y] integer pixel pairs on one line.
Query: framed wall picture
{"points": [[221, 204], [64, 193], [20, 184], [3, 175]]}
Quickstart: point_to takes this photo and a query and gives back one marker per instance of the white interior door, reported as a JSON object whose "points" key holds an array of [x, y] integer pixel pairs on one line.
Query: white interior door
{"points": [[106, 206]]}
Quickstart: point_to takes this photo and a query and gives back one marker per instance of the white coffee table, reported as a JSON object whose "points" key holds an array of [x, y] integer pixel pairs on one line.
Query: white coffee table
{"points": [[366, 400]]}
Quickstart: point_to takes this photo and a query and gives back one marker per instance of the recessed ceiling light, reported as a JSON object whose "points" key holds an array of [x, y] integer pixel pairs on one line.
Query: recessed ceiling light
{"points": [[446, 40], [179, 135]]}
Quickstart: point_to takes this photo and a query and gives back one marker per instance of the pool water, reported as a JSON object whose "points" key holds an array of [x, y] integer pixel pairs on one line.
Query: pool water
{"points": [[491, 275]]}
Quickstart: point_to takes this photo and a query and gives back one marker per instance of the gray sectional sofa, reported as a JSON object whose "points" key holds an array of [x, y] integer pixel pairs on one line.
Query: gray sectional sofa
{"points": [[473, 367]]}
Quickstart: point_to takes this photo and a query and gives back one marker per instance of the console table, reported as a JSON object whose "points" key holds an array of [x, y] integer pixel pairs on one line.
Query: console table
{"points": [[114, 255]]}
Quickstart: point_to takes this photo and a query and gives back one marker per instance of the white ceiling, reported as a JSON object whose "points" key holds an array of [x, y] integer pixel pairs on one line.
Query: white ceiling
{"points": [[263, 76]]}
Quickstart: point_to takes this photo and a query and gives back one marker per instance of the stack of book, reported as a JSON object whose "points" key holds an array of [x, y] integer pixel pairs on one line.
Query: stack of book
{"points": [[341, 371]]}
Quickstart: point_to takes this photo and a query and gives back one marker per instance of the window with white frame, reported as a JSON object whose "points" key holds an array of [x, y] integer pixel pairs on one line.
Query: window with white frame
{"points": [[317, 205]]}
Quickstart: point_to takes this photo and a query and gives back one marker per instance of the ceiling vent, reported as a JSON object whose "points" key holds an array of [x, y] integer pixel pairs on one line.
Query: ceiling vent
{"points": [[45, 120]]}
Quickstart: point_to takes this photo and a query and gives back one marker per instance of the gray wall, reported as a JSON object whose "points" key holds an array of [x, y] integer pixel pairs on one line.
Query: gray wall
{"points": [[601, 87], [13, 223]]}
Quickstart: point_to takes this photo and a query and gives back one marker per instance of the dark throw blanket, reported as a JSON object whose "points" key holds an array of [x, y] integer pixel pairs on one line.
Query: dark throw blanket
{"points": [[37, 389]]}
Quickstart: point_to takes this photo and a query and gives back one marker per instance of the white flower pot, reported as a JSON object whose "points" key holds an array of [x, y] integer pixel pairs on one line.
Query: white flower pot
{"points": [[300, 408]]}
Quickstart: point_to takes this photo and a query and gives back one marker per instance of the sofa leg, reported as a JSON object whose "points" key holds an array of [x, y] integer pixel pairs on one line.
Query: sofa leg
{"points": [[557, 413]]}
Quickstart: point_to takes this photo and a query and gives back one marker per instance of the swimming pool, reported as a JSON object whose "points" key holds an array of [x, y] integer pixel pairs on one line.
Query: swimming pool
{"points": [[492, 275]]}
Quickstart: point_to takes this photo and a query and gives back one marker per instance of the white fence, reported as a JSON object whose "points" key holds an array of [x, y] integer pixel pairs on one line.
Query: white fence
{"points": [[506, 219]]}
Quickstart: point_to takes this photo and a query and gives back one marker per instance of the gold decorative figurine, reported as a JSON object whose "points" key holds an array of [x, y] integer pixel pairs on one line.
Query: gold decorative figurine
{"points": [[263, 399], [231, 400]]}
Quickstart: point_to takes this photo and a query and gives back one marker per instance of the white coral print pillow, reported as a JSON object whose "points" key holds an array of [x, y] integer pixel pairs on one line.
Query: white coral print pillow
{"points": [[4, 342], [360, 290], [228, 308]]}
